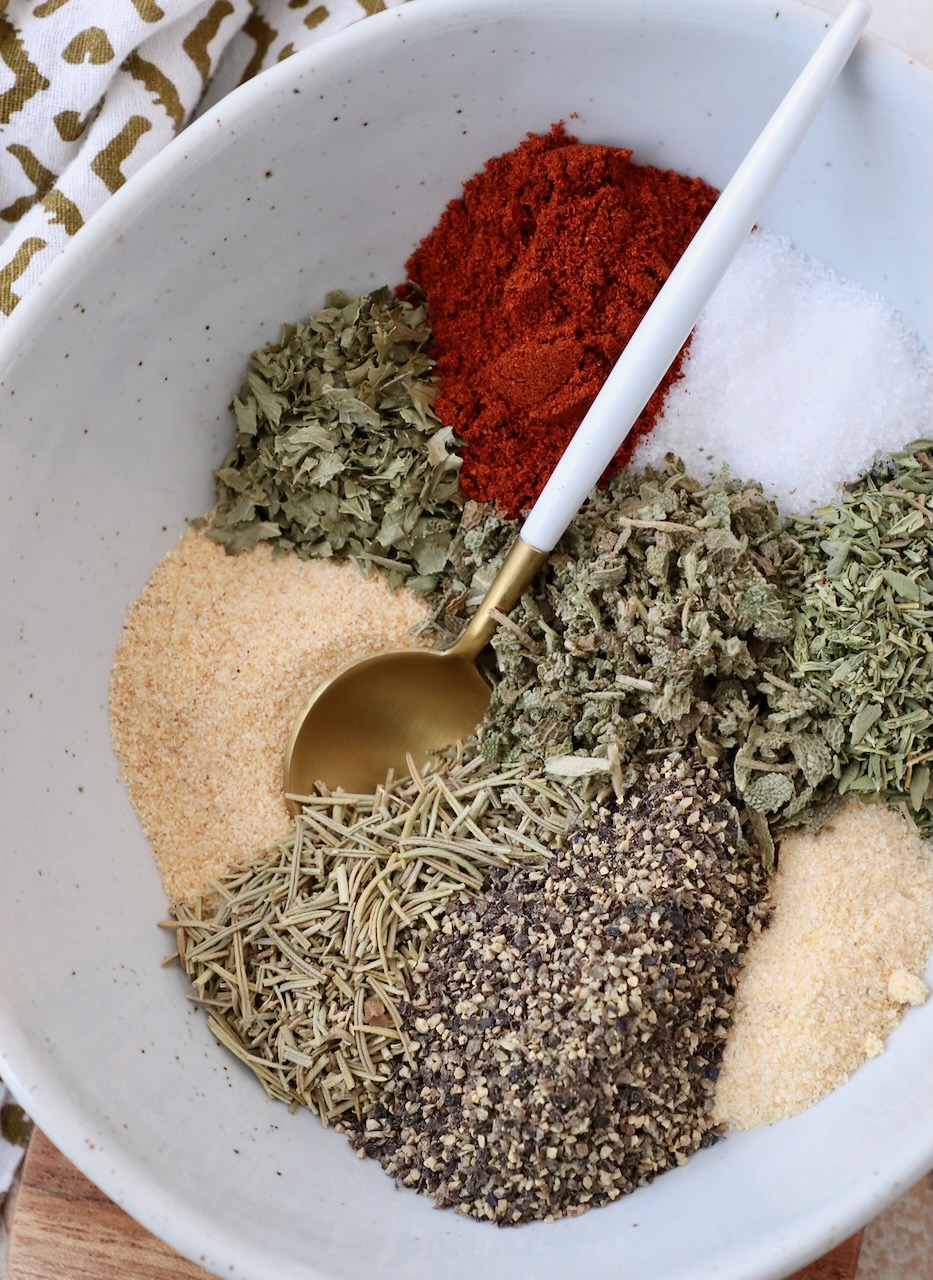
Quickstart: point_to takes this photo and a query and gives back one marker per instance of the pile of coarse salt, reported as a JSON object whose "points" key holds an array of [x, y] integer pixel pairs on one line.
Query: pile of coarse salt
{"points": [[795, 377]]}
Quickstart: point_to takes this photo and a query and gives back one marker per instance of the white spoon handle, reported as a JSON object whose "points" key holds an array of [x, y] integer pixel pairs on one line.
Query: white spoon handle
{"points": [[670, 318]]}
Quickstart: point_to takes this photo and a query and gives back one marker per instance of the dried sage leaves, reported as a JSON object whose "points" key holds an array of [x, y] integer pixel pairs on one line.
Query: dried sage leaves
{"points": [[338, 451], [651, 631]]}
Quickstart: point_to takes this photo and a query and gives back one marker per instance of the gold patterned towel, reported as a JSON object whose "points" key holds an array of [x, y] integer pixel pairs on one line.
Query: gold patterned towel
{"points": [[91, 89]]}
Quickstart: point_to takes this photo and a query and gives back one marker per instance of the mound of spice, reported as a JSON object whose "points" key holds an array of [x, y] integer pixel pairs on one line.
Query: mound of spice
{"points": [[216, 658], [338, 451], [862, 651], [536, 278], [822, 988], [682, 615], [786, 350], [570, 1019], [658, 625]]}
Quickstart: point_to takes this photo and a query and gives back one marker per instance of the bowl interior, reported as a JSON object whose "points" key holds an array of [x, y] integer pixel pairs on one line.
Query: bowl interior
{"points": [[116, 373]]}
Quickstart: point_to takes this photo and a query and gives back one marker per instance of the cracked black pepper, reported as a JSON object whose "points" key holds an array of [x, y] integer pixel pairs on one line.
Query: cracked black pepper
{"points": [[569, 1021]]}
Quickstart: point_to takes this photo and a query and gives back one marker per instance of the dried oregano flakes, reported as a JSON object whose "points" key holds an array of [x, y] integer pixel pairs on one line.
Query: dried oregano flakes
{"points": [[338, 451], [862, 652]]}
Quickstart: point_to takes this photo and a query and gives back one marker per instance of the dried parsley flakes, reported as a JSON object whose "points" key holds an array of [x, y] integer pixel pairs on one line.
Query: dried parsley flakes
{"points": [[338, 451], [863, 646]]}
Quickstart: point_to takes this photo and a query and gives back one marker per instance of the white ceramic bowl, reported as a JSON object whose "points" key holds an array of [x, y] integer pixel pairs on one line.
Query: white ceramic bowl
{"points": [[116, 372]]}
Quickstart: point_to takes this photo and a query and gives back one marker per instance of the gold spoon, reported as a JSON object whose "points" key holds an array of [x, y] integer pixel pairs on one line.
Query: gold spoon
{"points": [[377, 713]]}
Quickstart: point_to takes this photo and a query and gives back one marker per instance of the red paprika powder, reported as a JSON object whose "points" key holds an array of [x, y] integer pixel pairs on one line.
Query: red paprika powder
{"points": [[536, 278]]}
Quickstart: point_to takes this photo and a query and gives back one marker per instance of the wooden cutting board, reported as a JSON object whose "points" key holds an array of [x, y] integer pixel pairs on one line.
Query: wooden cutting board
{"points": [[65, 1229]]}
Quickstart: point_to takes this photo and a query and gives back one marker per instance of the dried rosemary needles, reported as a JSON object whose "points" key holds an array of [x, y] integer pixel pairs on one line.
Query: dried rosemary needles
{"points": [[303, 963]]}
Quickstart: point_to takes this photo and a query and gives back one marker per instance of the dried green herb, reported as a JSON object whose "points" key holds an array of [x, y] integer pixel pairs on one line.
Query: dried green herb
{"points": [[338, 451], [302, 965], [659, 625], [862, 653]]}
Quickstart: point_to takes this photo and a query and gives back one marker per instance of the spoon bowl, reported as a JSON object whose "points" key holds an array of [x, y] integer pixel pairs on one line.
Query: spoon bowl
{"points": [[387, 712], [391, 711]]}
